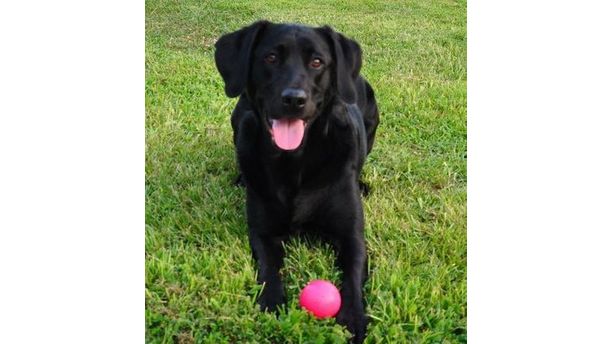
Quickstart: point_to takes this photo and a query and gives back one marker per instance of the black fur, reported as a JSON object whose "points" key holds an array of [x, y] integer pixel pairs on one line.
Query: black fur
{"points": [[314, 188]]}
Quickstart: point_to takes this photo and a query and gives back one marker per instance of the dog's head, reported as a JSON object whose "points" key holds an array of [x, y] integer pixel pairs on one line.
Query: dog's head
{"points": [[289, 74]]}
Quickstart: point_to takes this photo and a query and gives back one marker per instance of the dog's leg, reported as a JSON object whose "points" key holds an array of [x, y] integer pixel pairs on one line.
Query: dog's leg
{"points": [[352, 260], [269, 253]]}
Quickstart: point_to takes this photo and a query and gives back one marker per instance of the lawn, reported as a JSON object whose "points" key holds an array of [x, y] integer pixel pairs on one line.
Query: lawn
{"points": [[200, 280]]}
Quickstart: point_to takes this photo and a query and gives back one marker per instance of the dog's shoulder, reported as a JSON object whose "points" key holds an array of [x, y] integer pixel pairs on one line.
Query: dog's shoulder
{"points": [[348, 118], [347, 130], [244, 122]]}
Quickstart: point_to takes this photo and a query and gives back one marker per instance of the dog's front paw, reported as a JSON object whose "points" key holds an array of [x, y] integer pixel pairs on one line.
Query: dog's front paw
{"points": [[356, 322], [271, 299]]}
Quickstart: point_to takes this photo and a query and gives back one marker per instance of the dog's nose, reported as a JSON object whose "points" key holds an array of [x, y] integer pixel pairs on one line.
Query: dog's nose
{"points": [[294, 98]]}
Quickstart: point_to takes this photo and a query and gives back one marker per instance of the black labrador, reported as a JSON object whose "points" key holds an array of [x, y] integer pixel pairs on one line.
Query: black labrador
{"points": [[303, 126]]}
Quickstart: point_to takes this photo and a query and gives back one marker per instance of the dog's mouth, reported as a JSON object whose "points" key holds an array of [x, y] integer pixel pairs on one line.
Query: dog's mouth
{"points": [[287, 133]]}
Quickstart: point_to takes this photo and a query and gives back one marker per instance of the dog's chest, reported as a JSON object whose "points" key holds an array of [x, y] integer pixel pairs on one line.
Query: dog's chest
{"points": [[300, 186], [306, 206]]}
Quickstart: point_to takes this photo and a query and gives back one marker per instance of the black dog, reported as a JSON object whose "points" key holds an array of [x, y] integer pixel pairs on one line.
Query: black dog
{"points": [[303, 126]]}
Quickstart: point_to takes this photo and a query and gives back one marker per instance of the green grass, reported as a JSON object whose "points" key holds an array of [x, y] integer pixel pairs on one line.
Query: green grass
{"points": [[200, 280]]}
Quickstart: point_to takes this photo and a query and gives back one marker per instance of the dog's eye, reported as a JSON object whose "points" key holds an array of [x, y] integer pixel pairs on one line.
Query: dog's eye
{"points": [[270, 58], [316, 63]]}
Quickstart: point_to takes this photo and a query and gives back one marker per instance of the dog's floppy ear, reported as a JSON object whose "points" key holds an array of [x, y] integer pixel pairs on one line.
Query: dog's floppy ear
{"points": [[233, 55], [347, 58]]}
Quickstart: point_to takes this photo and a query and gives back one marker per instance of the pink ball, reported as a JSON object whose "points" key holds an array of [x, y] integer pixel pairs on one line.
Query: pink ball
{"points": [[321, 298]]}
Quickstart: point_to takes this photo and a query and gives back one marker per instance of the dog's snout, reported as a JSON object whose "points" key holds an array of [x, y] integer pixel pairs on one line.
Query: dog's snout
{"points": [[294, 98]]}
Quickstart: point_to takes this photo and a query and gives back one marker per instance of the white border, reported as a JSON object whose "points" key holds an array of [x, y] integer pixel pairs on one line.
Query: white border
{"points": [[72, 172], [539, 169]]}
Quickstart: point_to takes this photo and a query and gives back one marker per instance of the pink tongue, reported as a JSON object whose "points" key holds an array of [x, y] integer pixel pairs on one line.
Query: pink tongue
{"points": [[287, 133]]}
